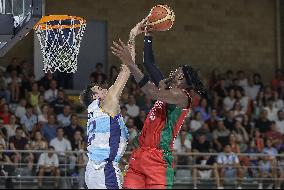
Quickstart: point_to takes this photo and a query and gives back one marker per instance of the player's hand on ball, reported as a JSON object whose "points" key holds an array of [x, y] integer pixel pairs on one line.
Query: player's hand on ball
{"points": [[122, 52], [140, 27]]}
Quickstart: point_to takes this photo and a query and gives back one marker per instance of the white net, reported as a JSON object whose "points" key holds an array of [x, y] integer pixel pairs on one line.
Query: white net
{"points": [[60, 45]]}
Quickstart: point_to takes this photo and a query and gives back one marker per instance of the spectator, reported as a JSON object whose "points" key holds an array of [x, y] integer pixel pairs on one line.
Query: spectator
{"points": [[4, 91], [124, 114], [148, 105], [230, 100], [21, 108], [98, 73], [60, 143], [51, 94], [271, 110], [113, 74], [43, 114], [212, 121], [280, 168], [243, 81], [252, 89], [196, 123], [5, 114], [70, 130], [49, 129], [133, 134], [205, 168], [6, 168], [229, 165], [263, 124], [252, 160], [132, 108], [203, 109], [11, 127], [59, 103], [258, 138], [204, 130], [229, 78], [241, 136], [29, 120], [14, 83], [275, 83], [33, 96], [182, 144], [280, 121], [274, 134], [278, 103], [14, 65], [201, 144], [229, 122], [220, 136], [238, 110], [2, 140], [78, 145], [247, 124], [27, 85], [139, 121], [38, 144], [18, 142], [64, 119], [48, 165], [46, 80], [244, 100], [259, 104], [257, 80]]}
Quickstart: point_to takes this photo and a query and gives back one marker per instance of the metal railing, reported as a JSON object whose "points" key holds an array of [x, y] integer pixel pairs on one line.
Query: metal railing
{"points": [[68, 179]]}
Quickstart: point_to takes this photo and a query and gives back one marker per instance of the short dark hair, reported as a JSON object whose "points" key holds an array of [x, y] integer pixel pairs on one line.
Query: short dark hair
{"points": [[86, 97], [59, 128], [51, 147], [99, 64], [19, 128]]}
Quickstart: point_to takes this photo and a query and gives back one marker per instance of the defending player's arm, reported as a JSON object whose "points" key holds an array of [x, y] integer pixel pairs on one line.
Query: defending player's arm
{"points": [[171, 96]]}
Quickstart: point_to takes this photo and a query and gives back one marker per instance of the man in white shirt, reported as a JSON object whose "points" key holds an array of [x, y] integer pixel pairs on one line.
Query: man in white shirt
{"points": [[64, 118], [132, 109], [280, 122], [252, 90], [51, 94], [230, 100], [21, 108], [59, 143], [29, 120], [272, 110], [48, 165], [229, 165]]}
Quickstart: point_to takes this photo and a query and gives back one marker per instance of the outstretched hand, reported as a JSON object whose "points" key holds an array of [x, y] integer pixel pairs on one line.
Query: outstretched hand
{"points": [[122, 52], [141, 27]]}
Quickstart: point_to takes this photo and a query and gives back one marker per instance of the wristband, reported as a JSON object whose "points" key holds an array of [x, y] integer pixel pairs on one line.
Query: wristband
{"points": [[144, 81]]}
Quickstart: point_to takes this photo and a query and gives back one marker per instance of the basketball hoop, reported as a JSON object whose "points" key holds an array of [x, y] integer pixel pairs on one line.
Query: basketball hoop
{"points": [[60, 37]]}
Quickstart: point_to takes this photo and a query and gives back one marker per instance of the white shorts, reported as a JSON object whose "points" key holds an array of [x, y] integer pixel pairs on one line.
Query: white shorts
{"points": [[103, 176], [205, 174]]}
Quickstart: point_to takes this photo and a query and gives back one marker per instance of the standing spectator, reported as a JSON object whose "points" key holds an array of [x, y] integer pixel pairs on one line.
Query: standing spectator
{"points": [[203, 109], [21, 108], [280, 121], [230, 100], [196, 123], [220, 136], [5, 114], [229, 78], [263, 123], [4, 91], [51, 94], [48, 164], [11, 127], [29, 120], [59, 103], [229, 165], [252, 159], [132, 108], [271, 110], [64, 119], [49, 129], [14, 83], [33, 96], [18, 142], [98, 72], [259, 104], [70, 130]]}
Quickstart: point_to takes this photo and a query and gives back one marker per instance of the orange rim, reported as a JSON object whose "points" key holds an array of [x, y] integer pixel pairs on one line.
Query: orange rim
{"points": [[43, 26]]}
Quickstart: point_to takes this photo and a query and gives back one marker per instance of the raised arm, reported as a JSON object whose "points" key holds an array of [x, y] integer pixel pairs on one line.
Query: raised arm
{"points": [[171, 96]]}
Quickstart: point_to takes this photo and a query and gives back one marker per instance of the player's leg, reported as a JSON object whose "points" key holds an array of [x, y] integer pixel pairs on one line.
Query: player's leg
{"points": [[160, 178], [134, 180], [95, 178]]}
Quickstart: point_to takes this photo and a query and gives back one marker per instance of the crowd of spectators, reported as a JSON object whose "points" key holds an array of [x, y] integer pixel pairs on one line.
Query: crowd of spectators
{"points": [[241, 114]]}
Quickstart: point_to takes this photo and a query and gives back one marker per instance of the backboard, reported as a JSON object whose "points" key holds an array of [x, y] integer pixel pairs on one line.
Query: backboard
{"points": [[17, 18]]}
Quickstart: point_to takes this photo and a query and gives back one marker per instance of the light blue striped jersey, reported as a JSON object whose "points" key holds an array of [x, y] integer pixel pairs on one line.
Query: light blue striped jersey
{"points": [[107, 136]]}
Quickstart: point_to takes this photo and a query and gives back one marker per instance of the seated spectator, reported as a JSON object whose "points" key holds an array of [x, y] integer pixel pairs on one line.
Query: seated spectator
{"points": [[14, 65], [59, 103], [252, 160], [229, 122], [243, 81], [278, 103], [182, 144], [205, 168], [263, 123], [124, 114], [140, 97], [18, 142], [274, 134], [5, 114], [229, 166], [46, 80], [204, 130], [2, 140], [51, 94], [38, 143], [196, 123], [258, 80], [61, 145], [251, 90], [275, 82], [78, 145], [280, 170], [11, 127], [212, 121], [21, 108], [113, 73], [133, 134], [241, 136], [6, 168], [247, 124], [132, 108], [64, 119], [280, 121], [259, 104], [258, 139], [266, 171], [29, 120], [33, 96], [220, 136], [14, 83], [238, 110], [48, 165], [244, 101], [49, 129], [230, 100], [203, 109], [147, 106], [70, 130], [98, 72], [43, 114], [271, 110], [201, 144]]}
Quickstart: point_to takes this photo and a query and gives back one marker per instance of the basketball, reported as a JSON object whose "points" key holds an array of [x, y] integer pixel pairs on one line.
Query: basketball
{"points": [[161, 18]]}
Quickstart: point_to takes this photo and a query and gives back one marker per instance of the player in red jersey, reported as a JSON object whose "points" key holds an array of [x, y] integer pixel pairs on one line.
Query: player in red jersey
{"points": [[151, 165]]}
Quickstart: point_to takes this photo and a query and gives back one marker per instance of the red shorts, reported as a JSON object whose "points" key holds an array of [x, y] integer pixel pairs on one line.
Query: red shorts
{"points": [[148, 170]]}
